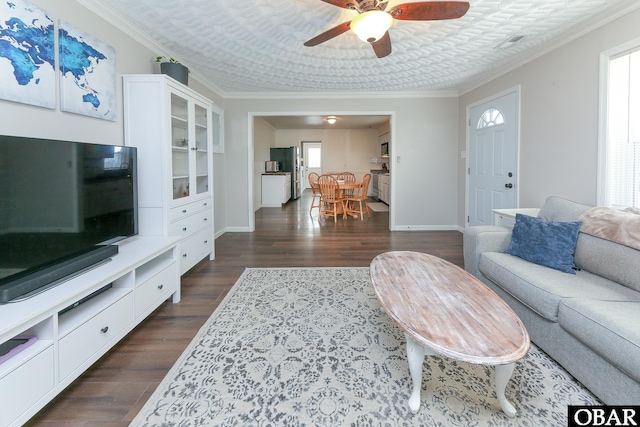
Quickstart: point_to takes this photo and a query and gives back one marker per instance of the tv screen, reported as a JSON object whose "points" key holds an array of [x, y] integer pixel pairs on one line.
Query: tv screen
{"points": [[60, 203]]}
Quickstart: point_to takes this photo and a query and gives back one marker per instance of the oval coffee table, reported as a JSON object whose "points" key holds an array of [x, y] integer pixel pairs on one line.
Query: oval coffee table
{"points": [[444, 310]]}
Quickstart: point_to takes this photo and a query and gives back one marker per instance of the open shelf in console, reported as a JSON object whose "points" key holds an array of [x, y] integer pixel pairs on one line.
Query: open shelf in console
{"points": [[149, 269]]}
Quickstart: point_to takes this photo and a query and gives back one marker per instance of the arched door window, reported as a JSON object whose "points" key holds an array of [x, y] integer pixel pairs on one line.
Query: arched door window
{"points": [[491, 117]]}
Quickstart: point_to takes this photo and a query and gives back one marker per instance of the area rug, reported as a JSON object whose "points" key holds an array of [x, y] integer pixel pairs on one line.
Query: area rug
{"points": [[378, 207], [313, 347]]}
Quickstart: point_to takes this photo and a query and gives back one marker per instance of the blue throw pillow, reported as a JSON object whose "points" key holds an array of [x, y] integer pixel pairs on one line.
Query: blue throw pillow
{"points": [[545, 242]]}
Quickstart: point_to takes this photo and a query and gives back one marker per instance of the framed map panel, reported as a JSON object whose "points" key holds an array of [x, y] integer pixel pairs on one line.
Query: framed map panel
{"points": [[87, 74], [27, 54]]}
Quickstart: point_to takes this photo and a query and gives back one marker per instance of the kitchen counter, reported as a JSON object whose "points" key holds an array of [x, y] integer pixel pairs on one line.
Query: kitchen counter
{"points": [[276, 189]]}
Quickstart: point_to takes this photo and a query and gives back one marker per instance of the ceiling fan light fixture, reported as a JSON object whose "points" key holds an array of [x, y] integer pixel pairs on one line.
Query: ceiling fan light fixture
{"points": [[331, 119], [371, 25]]}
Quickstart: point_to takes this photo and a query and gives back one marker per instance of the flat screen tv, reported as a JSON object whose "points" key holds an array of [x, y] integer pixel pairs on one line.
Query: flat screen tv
{"points": [[62, 206]]}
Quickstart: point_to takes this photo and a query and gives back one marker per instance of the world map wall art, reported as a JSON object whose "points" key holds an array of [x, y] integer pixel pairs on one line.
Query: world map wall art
{"points": [[87, 74], [27, 54]]}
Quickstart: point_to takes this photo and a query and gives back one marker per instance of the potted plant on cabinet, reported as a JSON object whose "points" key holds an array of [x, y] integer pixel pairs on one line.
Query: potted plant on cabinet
{"points": [[174, 69]]}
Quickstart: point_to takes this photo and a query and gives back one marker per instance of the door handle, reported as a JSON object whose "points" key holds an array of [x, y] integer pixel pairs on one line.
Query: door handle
{"points": [[509, 185]]}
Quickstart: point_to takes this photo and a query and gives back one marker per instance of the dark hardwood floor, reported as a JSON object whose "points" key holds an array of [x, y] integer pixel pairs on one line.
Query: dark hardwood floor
{"points": [[114, 389]]}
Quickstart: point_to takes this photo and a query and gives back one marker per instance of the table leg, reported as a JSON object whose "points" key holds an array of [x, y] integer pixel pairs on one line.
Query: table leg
{"points": [[415, 355], [503, 374]]}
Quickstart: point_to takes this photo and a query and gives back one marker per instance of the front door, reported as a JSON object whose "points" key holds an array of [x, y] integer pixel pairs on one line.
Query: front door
{"points": [[492, 174], [312, 160]]}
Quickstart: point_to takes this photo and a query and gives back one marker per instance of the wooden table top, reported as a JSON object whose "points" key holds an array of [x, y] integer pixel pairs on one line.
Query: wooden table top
{"points": [[443, 307], [349, 185]]}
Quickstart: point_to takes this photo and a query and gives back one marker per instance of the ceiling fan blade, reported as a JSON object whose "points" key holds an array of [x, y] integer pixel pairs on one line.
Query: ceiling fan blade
{"points": [[382, 47], [346, 4], [430, 10], [329, 34]]}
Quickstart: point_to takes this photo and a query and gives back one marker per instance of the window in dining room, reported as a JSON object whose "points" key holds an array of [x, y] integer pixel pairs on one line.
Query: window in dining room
{"points": [[314, 157]]}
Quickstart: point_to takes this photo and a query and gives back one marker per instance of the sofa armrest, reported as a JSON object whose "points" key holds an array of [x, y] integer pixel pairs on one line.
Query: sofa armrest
{"points": [[484, 238]]}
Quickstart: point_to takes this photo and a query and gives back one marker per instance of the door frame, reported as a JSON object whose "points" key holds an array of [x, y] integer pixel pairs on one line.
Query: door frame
{"points": [[251, 116], [302, 146], [517, 90]]}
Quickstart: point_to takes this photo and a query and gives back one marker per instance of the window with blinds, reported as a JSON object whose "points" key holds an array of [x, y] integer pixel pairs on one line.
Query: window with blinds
{"points": [[622, 145]]}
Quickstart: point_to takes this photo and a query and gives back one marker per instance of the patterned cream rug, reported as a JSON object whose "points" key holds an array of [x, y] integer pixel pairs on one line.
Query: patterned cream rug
{"points": [[313, 347]]}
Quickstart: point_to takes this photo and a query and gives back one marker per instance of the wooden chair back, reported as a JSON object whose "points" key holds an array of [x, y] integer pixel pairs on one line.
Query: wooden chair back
{"points": [[331, 199], [329, 189], [364, 188], [347, 177], [315, 190], [359, 197]]}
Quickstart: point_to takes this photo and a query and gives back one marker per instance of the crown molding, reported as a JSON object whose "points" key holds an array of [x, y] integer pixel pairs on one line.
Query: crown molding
{"points": [[342, 95]]}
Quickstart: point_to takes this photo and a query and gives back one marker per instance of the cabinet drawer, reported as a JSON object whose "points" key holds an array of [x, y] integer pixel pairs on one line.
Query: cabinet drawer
{"points": [[156, 289], [194, 248], [26, 385], [189, 225], [188, 209], [94, 335]]}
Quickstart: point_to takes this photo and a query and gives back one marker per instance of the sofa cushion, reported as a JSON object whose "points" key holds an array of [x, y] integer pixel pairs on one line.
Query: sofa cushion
{"points": [[608, 259], [542, 288], [559, 209], [610, 328], [544, 242]]}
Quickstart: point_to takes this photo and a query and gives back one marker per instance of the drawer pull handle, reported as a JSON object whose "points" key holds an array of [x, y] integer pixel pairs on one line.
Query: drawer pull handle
{"points": [[160, 286], [206, 219], [184, 229], [184, 255], [205, 203], [206, 241], [104, 330], [184, 211]]}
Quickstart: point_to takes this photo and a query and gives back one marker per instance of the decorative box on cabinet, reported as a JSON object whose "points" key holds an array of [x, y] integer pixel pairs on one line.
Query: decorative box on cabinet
{"points": [[142, 275], [176, 131]]}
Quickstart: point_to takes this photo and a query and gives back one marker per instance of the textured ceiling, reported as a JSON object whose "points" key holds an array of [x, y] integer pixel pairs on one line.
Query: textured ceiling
{"points": [[243, 47]]}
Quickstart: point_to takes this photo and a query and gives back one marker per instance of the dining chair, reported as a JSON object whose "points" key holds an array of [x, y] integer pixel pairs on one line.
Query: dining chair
{"points": [[359, 196], [347, 177], [315, 190], [331, 201]]}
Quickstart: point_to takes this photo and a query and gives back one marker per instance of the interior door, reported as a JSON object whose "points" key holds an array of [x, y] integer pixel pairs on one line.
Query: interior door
{"points": [[492, 166], [312, 160]]}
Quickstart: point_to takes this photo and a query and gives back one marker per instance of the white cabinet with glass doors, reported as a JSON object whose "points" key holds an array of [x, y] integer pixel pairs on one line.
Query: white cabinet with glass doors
{"points": [[173, 128]]}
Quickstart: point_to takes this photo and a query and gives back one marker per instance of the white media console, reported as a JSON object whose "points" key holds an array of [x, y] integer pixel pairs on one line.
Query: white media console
{"points": [[144, 274]]}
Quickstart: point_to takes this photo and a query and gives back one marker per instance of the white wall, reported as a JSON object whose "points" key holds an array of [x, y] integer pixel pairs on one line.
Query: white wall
{"points": [[559, 117], [342, 149], [424, 135], [131, 58]]}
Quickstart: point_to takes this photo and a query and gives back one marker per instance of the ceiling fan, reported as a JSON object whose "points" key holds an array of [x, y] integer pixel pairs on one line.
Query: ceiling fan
{"points": [[373, 22]]}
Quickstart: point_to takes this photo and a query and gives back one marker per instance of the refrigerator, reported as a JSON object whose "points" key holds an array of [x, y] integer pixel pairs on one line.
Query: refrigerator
{"points": [[289, 161]]}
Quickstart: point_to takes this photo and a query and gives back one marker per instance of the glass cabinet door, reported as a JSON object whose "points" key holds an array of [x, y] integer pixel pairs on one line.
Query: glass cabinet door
{"points": [[180, 146], [201, 148]]}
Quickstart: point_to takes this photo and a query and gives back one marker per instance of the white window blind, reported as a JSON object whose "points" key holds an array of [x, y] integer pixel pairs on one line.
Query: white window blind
{"points": [[622, 186]]}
